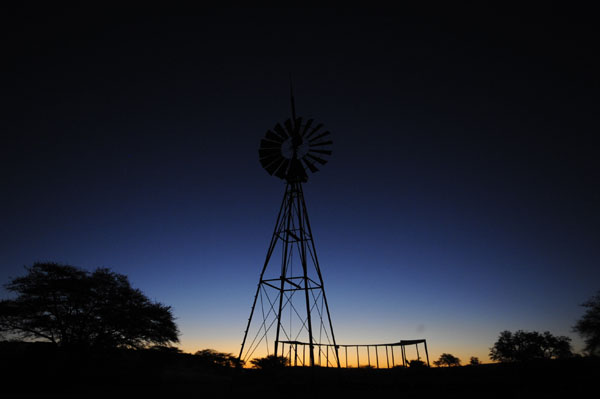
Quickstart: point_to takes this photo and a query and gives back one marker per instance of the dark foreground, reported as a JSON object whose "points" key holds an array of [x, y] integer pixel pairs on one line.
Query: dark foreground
{"points": [[49, 373]]}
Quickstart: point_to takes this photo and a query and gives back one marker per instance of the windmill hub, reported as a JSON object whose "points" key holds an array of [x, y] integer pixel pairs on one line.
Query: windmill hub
{"points": [[294, 148]]}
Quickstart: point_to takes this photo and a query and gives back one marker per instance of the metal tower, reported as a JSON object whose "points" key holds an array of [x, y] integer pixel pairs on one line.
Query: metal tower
{"points": [[290, 306]]}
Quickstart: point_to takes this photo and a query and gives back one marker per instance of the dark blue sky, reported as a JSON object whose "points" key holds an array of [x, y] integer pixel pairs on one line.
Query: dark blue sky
{"points": [[461, 199]]}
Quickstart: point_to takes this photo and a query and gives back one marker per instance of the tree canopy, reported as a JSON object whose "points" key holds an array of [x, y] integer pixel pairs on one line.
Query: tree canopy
{"points": [[589, 325], [72, 307], [474, 361], [524, 345], [447, 360]]}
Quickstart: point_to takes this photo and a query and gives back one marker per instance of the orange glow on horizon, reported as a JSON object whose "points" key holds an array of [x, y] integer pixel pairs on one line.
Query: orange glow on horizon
{"points": [[364, 357]]}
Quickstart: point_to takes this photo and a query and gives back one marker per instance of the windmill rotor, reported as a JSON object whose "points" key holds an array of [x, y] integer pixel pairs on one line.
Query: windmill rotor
{"points": [[293, 148]]}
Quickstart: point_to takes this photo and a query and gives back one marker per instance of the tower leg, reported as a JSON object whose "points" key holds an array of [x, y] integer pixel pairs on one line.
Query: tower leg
{"points": [[273, 243], [293, 240]]}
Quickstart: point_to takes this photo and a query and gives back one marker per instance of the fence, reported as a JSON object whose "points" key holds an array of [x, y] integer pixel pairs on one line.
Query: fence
{"points": [[377, 355]]}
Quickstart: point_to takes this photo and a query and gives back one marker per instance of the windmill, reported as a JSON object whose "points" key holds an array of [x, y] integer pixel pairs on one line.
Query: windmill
{"points": [[290, 307]]}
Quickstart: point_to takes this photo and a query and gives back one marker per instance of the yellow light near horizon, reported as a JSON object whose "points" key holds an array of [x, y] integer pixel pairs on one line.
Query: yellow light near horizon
{"points": [[363, 359]]}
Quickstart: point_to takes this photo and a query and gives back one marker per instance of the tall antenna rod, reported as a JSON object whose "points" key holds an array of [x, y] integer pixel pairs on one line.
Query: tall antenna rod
{"points": [[292, 100]]}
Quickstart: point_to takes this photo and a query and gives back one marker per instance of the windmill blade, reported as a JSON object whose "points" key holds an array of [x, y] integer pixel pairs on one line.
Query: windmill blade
{"points": [[268, 153], [270, 158], [326, 152], [319, 160], [322, 143], [275, 165], [310, 165], [273, 137], [266, 160], [320, 125], [308, 123], [280, 131], [267, 163], [264, 144], [325, 133], [282, 171]]}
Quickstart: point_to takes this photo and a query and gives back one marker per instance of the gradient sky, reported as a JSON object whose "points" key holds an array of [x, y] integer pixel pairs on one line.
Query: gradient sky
{"points": [[461, 199]]}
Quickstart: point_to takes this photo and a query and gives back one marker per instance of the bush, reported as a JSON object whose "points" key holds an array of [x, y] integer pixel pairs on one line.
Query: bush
{"points": [[210, 357], [416, 364], [270, 362]]}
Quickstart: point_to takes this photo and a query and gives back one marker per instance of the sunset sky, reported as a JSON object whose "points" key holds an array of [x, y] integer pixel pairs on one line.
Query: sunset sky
{"points": [[461, 198]]}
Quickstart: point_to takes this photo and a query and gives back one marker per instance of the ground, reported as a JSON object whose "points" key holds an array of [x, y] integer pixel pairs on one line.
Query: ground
{"points": [[51, 373]]}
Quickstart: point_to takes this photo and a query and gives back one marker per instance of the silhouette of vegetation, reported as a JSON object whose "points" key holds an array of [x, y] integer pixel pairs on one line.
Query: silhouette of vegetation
{"points": [[42, 370], [474, 361], [74, 308], [447, 360], [524, 346], [165, 349], [210, 357], [416, 364], [589, 325], [270, 362]]}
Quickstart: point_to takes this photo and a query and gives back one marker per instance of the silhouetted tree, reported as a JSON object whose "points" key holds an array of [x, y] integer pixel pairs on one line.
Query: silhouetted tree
{"points": [[447, 360], [270, 362], [474, 361], [211, 357], [523, 345], [75, 308], [589, 325]]}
